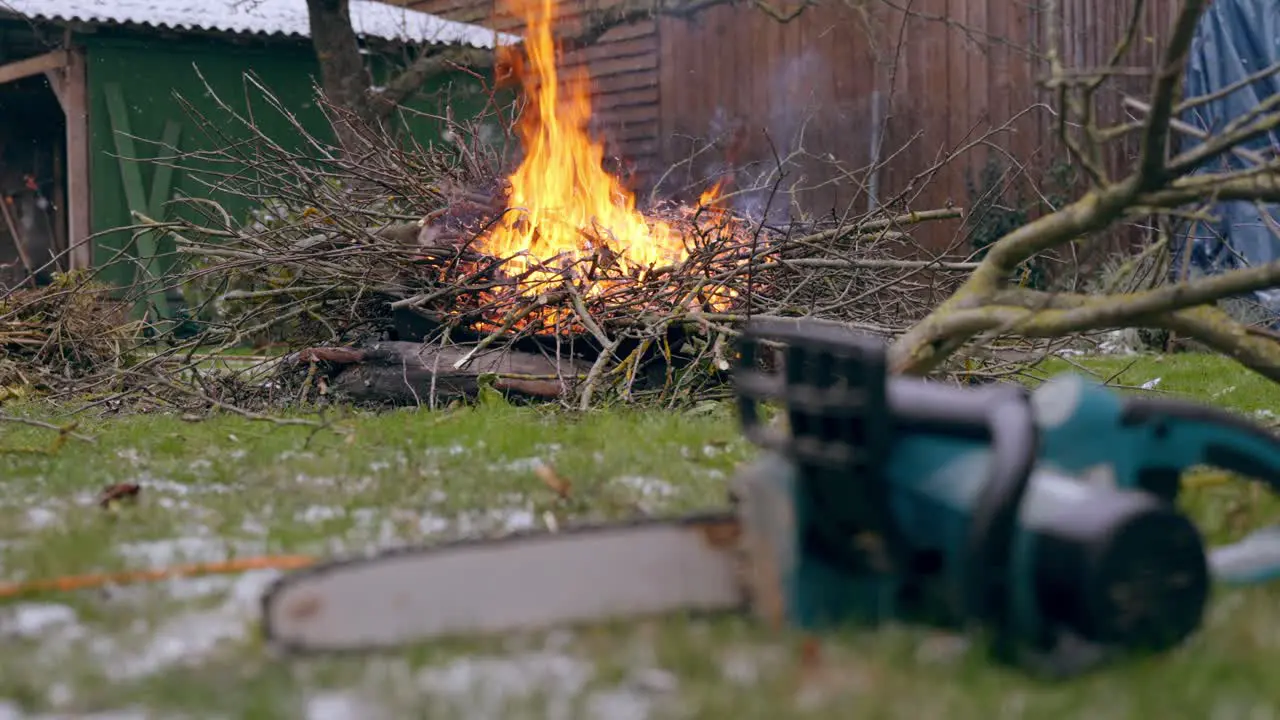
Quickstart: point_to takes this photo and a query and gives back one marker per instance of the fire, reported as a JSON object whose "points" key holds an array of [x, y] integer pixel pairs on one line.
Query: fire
{"points": [[565, 208], [709, 196]]}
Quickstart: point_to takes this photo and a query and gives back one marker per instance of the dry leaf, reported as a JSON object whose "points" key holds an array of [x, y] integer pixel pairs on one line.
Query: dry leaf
{"points": [[113, 495], [811, 691], [810, 654], [549, 477], [827, 677]]}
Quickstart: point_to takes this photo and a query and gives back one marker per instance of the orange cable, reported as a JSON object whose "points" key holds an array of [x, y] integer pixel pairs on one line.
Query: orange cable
{"points": [[68, 583]]}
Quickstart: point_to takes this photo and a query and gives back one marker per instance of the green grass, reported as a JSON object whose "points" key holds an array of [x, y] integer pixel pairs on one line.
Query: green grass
{"points": [[225, 486]]}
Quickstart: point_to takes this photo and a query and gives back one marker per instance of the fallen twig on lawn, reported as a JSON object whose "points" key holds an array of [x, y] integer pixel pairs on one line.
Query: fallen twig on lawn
{"points": [[553, 480], [64, 432], [67, 429]]}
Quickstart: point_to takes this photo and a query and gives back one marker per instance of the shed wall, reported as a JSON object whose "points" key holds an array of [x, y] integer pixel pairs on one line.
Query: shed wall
{"points": [[149, 74], [942, 76], [623, 65]]}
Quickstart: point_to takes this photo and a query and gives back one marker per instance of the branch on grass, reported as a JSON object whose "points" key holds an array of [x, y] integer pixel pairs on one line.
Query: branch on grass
{"points": [[192, 390], [1218, 331], [869, 227], [1206, 324], [64, 433], [68, 429]]}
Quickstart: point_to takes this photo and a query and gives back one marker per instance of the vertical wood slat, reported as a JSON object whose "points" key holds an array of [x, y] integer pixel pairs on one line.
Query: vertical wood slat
{"points": [[894, 83], [943, 74], [76, 96], [954, 118], [981, 63]]}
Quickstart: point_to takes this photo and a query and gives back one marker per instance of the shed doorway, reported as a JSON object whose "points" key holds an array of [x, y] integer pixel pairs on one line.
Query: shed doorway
{"points": [[44, 168], [33, 230]]}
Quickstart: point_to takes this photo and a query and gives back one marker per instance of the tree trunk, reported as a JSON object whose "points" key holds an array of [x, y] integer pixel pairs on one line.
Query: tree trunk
{"points": [[344, 77]]}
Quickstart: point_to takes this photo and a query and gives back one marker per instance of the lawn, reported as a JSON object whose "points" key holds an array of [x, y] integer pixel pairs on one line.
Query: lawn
{"points": [[228, 486]]}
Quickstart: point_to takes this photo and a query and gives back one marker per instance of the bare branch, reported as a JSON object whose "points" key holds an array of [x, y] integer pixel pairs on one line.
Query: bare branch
{"points": [[1151, 163], [987, 305], [426, 66]]}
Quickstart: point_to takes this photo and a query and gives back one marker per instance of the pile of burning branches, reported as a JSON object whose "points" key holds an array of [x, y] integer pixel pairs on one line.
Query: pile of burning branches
{"points": [[433, 264], [433, 250]]}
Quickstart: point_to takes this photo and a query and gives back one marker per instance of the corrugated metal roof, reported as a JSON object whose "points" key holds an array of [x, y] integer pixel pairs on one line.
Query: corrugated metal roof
{"points": [[256, 17]]}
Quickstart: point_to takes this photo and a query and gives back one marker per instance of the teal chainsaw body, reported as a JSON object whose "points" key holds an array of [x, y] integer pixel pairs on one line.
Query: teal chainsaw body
{"points": [[1046, 518]]}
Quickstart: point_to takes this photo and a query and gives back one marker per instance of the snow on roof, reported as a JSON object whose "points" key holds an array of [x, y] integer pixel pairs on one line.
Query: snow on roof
{"points": [[257, 17]]}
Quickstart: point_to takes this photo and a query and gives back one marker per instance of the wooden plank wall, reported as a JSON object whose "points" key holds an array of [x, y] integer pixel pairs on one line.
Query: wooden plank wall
{"points": [[685, 98], [771, 98], [1092, 30], [623, 66], [953, 76]]}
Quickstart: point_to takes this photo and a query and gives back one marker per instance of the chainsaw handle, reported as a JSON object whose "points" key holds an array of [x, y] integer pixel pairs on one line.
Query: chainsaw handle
{"points": [[989, 546], [1250, 561], [829, 380], [1180, 435], [917, 406], [1001, 417]]}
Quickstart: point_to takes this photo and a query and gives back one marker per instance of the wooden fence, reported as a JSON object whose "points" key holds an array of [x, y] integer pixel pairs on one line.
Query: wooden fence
{"points": [[911, 82]]}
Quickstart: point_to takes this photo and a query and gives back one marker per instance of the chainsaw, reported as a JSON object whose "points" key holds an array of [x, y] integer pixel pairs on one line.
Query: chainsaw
{"points": [[1044, 522]]}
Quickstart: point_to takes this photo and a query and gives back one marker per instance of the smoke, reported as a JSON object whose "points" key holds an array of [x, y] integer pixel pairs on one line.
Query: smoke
{"points": [[791, 101]]}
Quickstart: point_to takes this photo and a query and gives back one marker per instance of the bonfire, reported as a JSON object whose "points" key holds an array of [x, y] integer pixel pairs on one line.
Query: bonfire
{"points": [[562, 231], [558, 248], [548, 277]]}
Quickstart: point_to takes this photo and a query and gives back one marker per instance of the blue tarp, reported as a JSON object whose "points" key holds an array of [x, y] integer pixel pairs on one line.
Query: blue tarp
{"points": [[1235, 39]]}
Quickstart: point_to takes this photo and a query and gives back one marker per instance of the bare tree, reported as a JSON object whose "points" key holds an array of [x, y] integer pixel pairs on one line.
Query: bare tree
{"points": [[1161, 183]]}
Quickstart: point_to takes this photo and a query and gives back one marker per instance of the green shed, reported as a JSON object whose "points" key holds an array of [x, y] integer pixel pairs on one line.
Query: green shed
{"points": [[78, 77]]}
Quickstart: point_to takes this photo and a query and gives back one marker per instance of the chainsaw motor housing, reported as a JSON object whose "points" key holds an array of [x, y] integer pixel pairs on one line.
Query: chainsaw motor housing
{"points": [[1088, 564], [926, 503]]}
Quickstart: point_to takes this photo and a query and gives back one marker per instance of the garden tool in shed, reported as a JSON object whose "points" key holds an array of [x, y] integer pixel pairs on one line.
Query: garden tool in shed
{"points": [[1044, 519]]}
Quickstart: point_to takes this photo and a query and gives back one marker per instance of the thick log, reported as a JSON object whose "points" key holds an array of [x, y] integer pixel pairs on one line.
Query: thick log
{"points": [[404, 373]]}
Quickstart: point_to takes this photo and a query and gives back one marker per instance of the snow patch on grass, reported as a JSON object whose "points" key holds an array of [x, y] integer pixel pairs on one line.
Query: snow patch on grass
{"points": [[190, 549], [39, 518], [486, 686], [647, 487], [191, 636], [483, 687], [338, 705], [28, 620]]}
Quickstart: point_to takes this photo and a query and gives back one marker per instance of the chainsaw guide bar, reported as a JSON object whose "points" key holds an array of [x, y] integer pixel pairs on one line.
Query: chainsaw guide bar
{"points": [[525, 581]]}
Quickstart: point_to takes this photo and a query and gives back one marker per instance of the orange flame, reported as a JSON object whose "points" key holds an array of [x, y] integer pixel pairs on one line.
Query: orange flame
{"points": [[565, 207], [711, 195]]}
